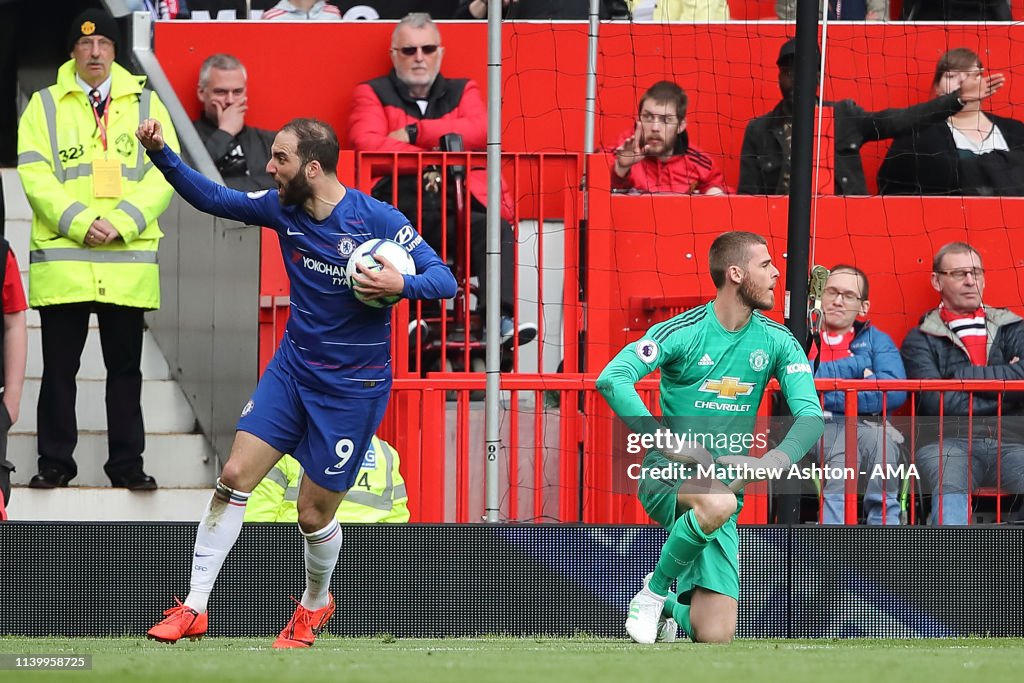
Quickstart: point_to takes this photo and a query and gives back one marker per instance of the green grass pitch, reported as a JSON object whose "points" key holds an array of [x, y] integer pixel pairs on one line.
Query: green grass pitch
{"points": [[523, 660]]}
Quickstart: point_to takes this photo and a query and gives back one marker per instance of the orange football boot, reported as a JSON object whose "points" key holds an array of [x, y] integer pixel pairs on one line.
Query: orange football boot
{"points": [[180, 622], [305, 625]]}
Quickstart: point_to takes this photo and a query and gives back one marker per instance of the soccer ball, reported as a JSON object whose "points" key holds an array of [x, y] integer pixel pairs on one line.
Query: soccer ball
{"points": [[392, 251]]}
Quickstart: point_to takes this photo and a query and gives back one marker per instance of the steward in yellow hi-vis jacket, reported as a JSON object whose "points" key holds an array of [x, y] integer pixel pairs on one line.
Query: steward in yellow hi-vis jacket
{"points": [[95, 200], [379, 493]]}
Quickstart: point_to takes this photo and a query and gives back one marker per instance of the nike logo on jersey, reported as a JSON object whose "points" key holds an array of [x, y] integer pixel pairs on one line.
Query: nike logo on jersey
{"points": [[291, 232], [331, 472]]}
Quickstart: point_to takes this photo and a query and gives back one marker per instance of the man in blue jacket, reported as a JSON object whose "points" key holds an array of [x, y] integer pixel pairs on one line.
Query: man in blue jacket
{"points": [[853, 349]]}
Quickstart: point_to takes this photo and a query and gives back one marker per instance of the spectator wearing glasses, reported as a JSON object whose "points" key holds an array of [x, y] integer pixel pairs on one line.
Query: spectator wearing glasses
{"points": [[410, 110], [963, 339], [657, 155], [972, 152], [302, 10], [767, 142], [854, 349]]}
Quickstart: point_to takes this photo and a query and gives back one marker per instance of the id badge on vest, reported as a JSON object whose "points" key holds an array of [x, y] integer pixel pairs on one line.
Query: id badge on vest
{"points": [[106, 178]]}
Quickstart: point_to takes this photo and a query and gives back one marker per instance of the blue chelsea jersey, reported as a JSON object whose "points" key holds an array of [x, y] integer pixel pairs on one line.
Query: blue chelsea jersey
{"points": [[332, 342]]}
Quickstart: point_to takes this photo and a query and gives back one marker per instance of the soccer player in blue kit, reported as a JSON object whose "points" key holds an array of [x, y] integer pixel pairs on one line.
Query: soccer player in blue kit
{"points": [[323, 394]]}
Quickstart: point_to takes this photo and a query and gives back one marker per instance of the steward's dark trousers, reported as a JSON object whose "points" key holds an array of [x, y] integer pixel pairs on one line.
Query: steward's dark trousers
{"points": [[64, 330]]}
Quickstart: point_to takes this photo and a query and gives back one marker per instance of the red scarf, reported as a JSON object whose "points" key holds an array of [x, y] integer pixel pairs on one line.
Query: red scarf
{"points": [[971, 330], [833, 346]]}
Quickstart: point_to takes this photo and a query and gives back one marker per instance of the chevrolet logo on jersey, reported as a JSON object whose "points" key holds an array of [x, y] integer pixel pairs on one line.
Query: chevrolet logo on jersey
{"points": [[727, 387]]}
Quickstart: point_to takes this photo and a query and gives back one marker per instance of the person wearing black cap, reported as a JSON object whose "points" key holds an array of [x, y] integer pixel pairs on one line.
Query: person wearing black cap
{"points": [[95, 201], [767, 142]]}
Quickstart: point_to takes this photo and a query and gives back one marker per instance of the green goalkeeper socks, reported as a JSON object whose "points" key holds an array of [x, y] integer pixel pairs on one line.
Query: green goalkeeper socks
{"points": [[680, 612], [686, 541]]}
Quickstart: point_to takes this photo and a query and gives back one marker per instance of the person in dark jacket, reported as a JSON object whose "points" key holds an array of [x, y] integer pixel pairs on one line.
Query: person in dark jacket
{"points": [[410, 110], [971, 153], [239, 152], [853, 349], [965, 340], [767, 142]]}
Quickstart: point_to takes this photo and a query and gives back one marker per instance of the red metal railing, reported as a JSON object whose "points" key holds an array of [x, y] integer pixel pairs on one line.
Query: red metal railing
{"points": [[539, 188], [556, 460]]}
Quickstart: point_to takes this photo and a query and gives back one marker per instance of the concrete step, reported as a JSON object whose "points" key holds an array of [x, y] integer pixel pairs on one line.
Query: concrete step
{"points": [[178, 460], [164, 407], [154, 365], [82, 504]]}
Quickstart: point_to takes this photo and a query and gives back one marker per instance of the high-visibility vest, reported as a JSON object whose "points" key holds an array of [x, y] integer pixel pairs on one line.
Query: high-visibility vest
{"points": [[378, 495], [58, 142]]}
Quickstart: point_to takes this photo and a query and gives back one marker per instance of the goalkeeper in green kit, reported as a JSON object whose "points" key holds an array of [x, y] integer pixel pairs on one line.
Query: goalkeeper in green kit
{"points": [[715, 361]]}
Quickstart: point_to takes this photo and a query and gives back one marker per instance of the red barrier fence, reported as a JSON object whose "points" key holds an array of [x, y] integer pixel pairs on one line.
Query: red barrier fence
{"points": [[557, 462], [545, 215]]}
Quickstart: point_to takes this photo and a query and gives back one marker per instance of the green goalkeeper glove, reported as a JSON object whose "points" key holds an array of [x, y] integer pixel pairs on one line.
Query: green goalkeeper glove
{"points": [[769, 466]]}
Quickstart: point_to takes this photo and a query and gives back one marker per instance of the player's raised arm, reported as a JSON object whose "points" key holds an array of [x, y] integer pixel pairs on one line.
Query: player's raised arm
{"points": [[197, 189]]}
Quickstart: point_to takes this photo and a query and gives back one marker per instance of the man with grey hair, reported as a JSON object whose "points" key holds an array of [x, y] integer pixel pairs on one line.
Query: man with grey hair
{"points": [[410, 110], [963, 339], [240, 152]]}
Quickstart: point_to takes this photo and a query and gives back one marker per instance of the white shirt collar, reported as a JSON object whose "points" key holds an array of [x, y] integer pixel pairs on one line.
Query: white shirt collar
{"points": [[103, 87]]}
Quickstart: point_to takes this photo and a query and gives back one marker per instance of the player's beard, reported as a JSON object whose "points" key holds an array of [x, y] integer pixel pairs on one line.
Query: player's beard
{"points": [[297, 190], [750, 296]]}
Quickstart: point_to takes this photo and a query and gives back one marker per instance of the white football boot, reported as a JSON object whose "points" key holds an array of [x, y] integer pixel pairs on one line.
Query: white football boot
{"points": [[644, 615], [668, 630]]}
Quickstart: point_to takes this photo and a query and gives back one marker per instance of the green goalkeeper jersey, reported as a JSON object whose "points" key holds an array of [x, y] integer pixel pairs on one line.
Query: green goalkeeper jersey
{"points": [[712, 380]]}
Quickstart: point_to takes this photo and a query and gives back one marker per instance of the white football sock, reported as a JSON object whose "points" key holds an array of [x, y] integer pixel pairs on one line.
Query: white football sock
{"points": [[322, 550], [217, 533]]}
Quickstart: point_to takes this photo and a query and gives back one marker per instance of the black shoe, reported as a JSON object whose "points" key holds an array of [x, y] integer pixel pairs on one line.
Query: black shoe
{"points": [[50, 479], [136, 481], [524, 334], [421, 329]]}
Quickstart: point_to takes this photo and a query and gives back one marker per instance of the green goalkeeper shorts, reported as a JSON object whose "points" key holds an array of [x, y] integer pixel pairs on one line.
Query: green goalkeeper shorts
{"points": [[718, 567]]}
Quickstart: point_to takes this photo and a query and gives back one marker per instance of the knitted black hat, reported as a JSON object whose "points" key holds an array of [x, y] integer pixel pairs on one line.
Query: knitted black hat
{"points": [[93, 22]]}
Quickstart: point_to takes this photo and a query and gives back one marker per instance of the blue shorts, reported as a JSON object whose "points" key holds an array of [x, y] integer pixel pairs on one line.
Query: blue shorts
{"points": [[329, 435]]}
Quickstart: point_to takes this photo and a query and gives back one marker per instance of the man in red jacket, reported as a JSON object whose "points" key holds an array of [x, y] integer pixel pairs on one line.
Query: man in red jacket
{"points": [[410, 110], [657, 156]]}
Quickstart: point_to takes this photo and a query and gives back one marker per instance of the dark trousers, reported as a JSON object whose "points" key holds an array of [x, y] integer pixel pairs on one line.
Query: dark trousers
{"points": [[433, 228], [64, 330]]}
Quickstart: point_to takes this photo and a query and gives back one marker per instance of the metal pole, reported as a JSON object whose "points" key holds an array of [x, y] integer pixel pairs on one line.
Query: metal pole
{"points": [[805, 88], [591, 104], [492, 421]]}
